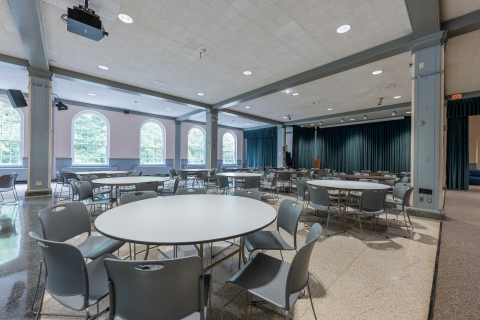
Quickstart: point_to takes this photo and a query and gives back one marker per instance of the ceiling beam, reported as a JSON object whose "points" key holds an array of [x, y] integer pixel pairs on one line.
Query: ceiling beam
{"points": [[463, 24], [28, 18], [253, 117], [12, 62], [380, 52], [424, 17], [186, 116], [350, 113], [126, 88]]}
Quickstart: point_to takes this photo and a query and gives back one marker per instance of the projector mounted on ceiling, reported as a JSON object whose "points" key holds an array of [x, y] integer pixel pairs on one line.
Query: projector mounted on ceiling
{"points": [[84, 22]]}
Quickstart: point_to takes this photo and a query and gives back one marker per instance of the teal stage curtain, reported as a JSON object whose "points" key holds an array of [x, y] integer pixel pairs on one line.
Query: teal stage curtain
{"points": [[261, 147], [458, 112], [370, 146]]}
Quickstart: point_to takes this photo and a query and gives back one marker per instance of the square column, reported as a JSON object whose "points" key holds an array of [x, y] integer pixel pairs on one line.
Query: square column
{"points": [[39, 132], [178, 134], [212, 138], [428, 113], [281, 132]]}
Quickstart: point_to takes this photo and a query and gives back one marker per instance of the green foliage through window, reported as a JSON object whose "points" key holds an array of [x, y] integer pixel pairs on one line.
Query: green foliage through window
{"points": [[90, 139], [151, 143], [229, 147], [10, 135], [196, 146]]}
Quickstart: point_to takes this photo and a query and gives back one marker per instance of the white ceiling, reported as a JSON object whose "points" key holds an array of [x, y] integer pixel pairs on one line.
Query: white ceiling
{"points": [[272, 38], [230, 120]]}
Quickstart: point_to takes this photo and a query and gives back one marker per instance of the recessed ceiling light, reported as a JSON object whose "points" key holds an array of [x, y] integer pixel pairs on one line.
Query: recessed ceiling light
{"points": [[247, 73], [92, 94], [288, 91], [343, 29], [125, 18], [295, 94], [284, 117], [159, 83], [342, 121], [169, 109], [311, 124], [329, 109], [247, 107], [365, 117], [103, 67], [397, 97], [394, 113], [352, 119], [320, 123], [409, 111], [200, 94], [377, 72]]}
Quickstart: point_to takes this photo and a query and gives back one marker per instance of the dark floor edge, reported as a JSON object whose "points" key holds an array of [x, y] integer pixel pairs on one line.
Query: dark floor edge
{"points": [[435, 275]]}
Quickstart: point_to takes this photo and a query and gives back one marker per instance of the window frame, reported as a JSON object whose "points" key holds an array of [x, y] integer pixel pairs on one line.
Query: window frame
{"points": [[234, 147], [22, 137], [72, 139], [162, 127], [204, 145]]}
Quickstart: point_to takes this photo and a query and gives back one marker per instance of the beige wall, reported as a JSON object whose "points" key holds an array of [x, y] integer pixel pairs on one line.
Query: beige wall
{"points": [[474, 132]]}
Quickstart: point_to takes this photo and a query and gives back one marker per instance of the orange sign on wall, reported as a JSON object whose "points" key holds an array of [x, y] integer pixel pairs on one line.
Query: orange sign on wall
{"points": [[456, 96]]}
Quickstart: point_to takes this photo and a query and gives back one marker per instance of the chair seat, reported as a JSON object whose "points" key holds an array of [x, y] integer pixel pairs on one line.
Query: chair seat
{"points": [[266, 240], [102, 201], [269, 187], [266, 278], [336, 193], [355, 195], [372, 212], [94, 247], [102, 191], [392, 204], [323, 208], [6, 189]]}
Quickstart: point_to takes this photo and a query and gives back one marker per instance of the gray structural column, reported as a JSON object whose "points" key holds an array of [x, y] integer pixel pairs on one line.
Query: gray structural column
{"points": [[178, 143], [39, 132], [428, 113], [212, 138], [280, 144]]}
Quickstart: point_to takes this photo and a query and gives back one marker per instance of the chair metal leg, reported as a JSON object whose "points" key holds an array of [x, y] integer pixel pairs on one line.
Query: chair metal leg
{"points": [[310, 296], [38, 284]]}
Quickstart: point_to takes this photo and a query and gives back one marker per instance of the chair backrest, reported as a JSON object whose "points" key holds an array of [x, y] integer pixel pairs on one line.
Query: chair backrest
{"points": [[74, 188], [363, 171], [283, 176], [300, 174], [64, 221], [321, 173], [66, 273], [405, 179], [389, 182], [222, 182], [183, 175], [102, 175], [368, 180], [331, 178], [298, 273], [270, 177], [373, 200], [252, 183], [137, 196], [252, 194], [318, 195], [288, 216], [400, 189], [88, 178], [166, 289], [8, 180], [68, 175], [140, 173], [130, 172], [172, 173], [59, 176], [147, 186], [185, 191], [205, 176], [273, 183], [406, 197], [84, 190], [175, 184]]}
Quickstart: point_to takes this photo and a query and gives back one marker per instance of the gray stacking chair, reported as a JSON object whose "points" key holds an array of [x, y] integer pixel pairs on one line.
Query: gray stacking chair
{"points": [[405, 179], [322, 174], [173, 174], [137, 196], [401, 201], [302, 192], [95, 186], [252, 194], [287, 219], [275, 281], [320, 200], [66, 176], [357, 195], [335, 194], [85, 193], [372, 203], [59, 181], [223, 184], [189, 191], [184, 178], [252, 183], [271, 187], [207, 182], [7, 184], [69, 280], [151, 290], [147, 186], [284, 178], [74, 189], [167, 192]]}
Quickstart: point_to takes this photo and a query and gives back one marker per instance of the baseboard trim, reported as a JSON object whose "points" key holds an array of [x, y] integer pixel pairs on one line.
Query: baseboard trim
{"points": [[38, 193], [425, 213]]}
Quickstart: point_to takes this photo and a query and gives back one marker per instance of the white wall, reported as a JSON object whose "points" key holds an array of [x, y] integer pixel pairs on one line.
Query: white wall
{"points": [[473, 134]]}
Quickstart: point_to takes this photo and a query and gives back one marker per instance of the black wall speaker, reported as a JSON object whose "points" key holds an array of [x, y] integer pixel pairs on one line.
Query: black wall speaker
{"points": [[16, 98], [126, 111]]}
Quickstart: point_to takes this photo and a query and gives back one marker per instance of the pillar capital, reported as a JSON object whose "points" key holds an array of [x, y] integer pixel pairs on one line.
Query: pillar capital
{"points": [[434, 39], [40, 73]]}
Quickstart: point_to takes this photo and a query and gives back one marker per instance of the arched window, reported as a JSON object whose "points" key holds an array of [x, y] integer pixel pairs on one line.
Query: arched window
{"points": [[196, 145], [90, 139], [152, 143], [229, 148], [10, 134]]}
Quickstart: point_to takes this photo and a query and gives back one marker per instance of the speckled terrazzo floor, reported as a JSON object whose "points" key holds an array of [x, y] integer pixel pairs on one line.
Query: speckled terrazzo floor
{"points": [[376, 279], [458, 278]]}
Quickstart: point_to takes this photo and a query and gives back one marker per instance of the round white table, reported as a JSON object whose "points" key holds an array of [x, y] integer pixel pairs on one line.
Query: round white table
{"points": [[189, 219], [238, 175], [195, 170], [348, 185], [86, 173], [127, 181]]}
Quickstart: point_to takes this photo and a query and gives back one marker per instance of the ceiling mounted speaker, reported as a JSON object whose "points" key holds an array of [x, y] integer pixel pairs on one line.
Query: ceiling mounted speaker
{"points": [[126, 111], [16, 98]]}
